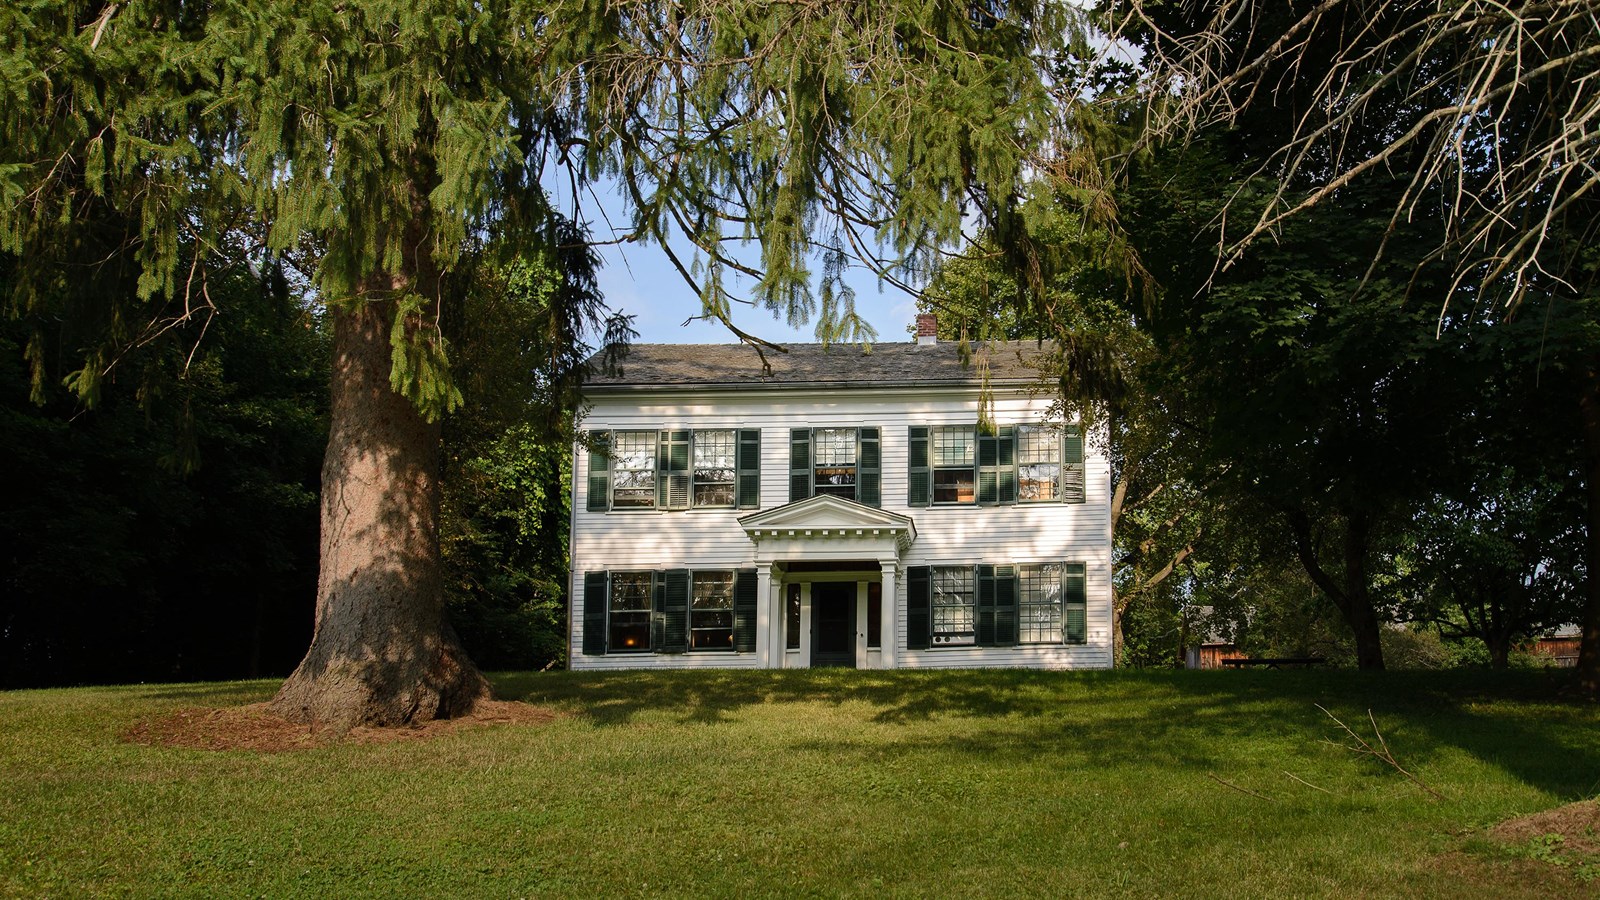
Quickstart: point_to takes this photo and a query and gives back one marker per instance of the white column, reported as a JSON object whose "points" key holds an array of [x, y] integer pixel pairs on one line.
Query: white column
{"points": [[891, 605], [805, 625], [766, 622]]}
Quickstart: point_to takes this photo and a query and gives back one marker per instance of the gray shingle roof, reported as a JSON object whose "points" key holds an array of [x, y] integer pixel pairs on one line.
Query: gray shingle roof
{"points": [[707, 365]]}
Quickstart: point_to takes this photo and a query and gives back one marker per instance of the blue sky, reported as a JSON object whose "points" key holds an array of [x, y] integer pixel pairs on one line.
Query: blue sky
{"points": [[642, 282]]}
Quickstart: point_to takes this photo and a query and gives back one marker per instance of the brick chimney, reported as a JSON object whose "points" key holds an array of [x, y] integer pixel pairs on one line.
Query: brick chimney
{"points": [[927, 328]]}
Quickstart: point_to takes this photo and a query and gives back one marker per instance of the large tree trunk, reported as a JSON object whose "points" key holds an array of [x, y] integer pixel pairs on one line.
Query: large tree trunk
{"points": [[1354, 597], [1589, 646], [382, 652]]}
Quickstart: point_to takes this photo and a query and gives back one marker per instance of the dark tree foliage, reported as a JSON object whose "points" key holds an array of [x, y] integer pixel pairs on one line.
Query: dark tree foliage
{"points": [[169, 533]]}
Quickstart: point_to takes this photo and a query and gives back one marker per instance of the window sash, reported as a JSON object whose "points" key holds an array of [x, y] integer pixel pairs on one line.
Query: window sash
{"points": [[955, 607], [1038, 463], [628, 612], [713, 468], [954, 457], [833, 463], [1039, 604], [633, 469], [711, 611]]}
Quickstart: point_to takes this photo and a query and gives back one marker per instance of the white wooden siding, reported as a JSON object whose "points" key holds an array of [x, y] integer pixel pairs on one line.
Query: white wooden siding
{"points": [[946, 535]]}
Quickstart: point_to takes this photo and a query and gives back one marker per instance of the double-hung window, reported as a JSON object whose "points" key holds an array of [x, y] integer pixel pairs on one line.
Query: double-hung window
{"points": [[955, 606], [711, 611], [628, 627], [1038, 463], [633, 469], [835, 464], [1040, 604], [713, 467], [954, 456]]}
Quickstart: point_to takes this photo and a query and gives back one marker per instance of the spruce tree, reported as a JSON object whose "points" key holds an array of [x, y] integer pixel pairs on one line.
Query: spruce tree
{"points": [[381, 141]]}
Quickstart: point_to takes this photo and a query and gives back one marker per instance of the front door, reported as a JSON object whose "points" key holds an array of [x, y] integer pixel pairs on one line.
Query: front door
{"points": [[833, 624]]}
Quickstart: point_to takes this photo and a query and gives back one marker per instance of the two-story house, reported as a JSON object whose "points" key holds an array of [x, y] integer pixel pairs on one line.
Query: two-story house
{"points": [[845, 509]]}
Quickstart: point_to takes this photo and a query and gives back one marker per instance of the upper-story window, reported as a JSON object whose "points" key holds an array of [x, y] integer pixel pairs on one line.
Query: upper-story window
{"points": [[844, 462], [676, 469], [954, 456], [633, 469], [835, 464], [713, 467], [1038, 463]]}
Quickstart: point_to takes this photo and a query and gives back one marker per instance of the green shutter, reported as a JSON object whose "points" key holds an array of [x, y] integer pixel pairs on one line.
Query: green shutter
{"points": [[1005, 606], [1072, 465], [672, 470], [919, 476], [675, 612], [988, 469], [919, 607], [986, 598], [658, 611], [594, 613], [744, 611], [599, 471], [869, 467], [799, 464], [1006, 444], [747, 467], [1074, 603]]}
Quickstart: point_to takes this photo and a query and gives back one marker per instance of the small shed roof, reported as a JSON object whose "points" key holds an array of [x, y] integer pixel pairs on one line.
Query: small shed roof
{"points": [[806, 365]]}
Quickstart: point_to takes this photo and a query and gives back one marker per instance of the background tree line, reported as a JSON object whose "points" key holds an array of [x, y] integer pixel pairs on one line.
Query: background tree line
{"points": [[170, 531]]}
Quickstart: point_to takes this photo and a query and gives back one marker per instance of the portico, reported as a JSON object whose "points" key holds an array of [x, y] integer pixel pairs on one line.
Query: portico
{"points": [[827, 570]]}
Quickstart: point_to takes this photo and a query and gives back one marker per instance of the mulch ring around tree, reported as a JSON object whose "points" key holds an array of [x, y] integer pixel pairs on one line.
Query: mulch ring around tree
{"points": [[254, 727]]}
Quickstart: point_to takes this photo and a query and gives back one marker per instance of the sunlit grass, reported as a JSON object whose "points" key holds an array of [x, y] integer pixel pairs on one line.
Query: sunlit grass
{"points": [[705, 783]]}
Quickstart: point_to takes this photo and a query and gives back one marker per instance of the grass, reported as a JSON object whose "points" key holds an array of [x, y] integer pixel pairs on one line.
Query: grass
{"points": [[819, 783]]}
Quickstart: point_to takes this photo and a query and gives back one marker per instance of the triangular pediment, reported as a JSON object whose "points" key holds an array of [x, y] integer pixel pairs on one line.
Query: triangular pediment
{"points": [[827, 512]]}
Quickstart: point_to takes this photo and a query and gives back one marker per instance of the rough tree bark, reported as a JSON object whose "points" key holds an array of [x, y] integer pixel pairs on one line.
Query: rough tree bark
{"points": [[381, 653]]}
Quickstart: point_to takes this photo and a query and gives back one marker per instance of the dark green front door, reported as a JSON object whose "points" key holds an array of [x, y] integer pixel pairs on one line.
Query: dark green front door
{"points": [[833, 624]]}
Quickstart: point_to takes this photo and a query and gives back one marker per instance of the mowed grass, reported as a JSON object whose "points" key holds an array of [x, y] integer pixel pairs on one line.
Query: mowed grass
{"points": [[819, 783]]}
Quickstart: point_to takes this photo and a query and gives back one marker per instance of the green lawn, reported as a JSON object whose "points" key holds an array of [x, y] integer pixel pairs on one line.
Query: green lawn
{"points": [[819, 783]]}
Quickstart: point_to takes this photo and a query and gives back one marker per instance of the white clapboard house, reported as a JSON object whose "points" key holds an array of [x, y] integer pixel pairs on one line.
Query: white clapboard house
{"points": [[844, 509]]}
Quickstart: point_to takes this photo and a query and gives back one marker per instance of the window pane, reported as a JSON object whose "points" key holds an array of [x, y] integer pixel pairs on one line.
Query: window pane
{"points": [[713, 468], [711, 611], [630, 611], [633, 469], [954, 606], [953, 486], [1040, 604]]}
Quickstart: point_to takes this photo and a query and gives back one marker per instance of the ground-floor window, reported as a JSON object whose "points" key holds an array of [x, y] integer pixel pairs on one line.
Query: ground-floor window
{"points": [[630, 611], [1039, 612], [954, 606], [711, 611]]}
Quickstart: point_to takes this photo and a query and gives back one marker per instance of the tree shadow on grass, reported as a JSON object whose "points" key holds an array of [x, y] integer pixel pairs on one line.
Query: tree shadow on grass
{"points": [[1515, 721]]}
